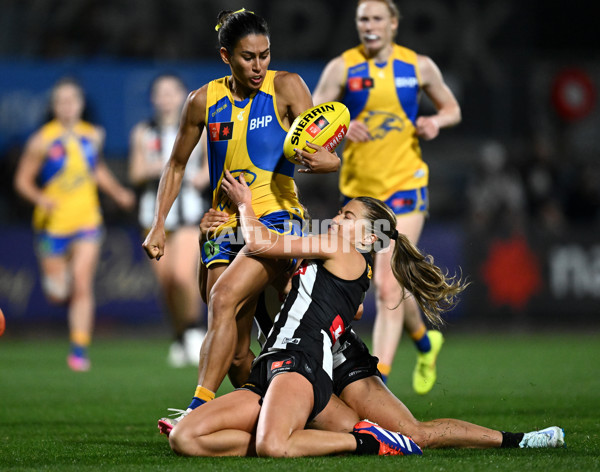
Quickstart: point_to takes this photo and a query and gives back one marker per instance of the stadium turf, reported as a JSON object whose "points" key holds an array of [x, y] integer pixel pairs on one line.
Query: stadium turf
{"points": [[56, 420]]}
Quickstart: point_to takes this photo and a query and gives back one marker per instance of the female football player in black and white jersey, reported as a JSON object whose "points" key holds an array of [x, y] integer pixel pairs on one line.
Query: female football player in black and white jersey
{"points": [[291, 380], [357, 381]]}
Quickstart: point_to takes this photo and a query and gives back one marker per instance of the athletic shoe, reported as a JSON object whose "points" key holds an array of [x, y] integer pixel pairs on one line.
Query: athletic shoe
{"points": [[78, 363], [166, 424], [425, 373], [192, 342], [177, 357], [549, 437], [390, 443]]}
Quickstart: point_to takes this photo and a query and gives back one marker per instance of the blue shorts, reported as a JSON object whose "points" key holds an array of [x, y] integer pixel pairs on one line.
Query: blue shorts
{"points": [[405, 202], [51, 245], [226, 246]]}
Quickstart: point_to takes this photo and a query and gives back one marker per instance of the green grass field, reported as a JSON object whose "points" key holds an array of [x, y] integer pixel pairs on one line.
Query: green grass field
{"points": [[53, 419]]}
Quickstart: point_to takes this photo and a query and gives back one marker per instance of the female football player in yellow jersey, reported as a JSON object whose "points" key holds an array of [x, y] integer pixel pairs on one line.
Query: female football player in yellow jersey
{"points": [[247, 115], [381, 82], [151, 144], [65, 155]]}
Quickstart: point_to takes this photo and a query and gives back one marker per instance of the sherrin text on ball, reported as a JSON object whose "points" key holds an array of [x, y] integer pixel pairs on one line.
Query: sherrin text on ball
{"points": [[324, 125]]}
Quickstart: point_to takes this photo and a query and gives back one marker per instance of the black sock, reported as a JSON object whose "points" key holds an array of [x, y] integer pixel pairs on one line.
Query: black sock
{"points": [[511, 439], [365, 444]]}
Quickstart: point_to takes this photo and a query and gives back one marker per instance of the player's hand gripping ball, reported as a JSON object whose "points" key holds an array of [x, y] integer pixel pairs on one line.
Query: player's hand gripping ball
{"points": [[324, 125]]}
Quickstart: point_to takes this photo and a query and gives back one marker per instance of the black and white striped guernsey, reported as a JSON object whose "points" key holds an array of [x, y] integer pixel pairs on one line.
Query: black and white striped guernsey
{"points": [[317, 311], [190, 204]]}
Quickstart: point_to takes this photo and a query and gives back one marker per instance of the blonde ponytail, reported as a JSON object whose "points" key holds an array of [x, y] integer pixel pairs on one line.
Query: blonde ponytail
{"points": [[434, 291]]}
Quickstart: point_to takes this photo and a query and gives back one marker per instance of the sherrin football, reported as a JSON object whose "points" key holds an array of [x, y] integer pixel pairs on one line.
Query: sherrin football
{"points": [[324, 125]]}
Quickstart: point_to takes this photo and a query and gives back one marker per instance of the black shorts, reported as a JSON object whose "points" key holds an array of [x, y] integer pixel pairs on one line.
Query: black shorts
{"points": [[352, 362], [272, 364]]}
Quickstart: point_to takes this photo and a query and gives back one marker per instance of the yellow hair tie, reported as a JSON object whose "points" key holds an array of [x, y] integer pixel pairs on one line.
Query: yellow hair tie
{"points": [[218, 27]]}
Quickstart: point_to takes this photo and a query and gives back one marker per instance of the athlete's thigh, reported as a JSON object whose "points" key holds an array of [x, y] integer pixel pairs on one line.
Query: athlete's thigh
{"points": [[411, 225], [184, 250], [247, 276], [54, 266], [237, 410], [371, 399], [286, 406], [211, 276], [337, 416]]}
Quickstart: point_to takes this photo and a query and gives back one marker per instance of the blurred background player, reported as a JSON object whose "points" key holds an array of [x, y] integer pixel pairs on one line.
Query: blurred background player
{"points": [[381, 82], [151, 145], [64, 157]]}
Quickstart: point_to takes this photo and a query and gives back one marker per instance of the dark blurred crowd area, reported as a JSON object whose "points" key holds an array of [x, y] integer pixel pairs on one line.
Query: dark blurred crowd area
{"points": [[520, 158], [514, 188]]}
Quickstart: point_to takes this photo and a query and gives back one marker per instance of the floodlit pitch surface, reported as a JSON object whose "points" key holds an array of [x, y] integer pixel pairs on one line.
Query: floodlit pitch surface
{"points": [[54, 419]]}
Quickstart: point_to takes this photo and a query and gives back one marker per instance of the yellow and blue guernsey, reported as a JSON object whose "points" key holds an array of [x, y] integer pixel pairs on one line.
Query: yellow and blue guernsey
{"points": [[67, 178], [247, 136], [385, 97]]}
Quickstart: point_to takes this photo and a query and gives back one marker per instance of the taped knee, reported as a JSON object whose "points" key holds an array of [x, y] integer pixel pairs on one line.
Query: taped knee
{"points": [[57, 291]]}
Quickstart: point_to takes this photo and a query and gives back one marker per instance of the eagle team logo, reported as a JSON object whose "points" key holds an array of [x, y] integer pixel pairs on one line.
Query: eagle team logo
{"points": [[319, 124], [380, 123], [223, 201], [220, 131]]}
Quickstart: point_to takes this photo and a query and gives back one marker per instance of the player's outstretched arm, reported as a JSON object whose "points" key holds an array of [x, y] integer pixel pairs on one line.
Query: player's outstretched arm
{"points": [[260, 241]]}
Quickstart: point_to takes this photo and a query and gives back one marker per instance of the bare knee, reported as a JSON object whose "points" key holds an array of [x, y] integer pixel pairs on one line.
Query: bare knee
{"points": [[270, 446], [82, 290], [56, 290], [181, 441], [183, 281], [222, 301], [388, 291]]}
